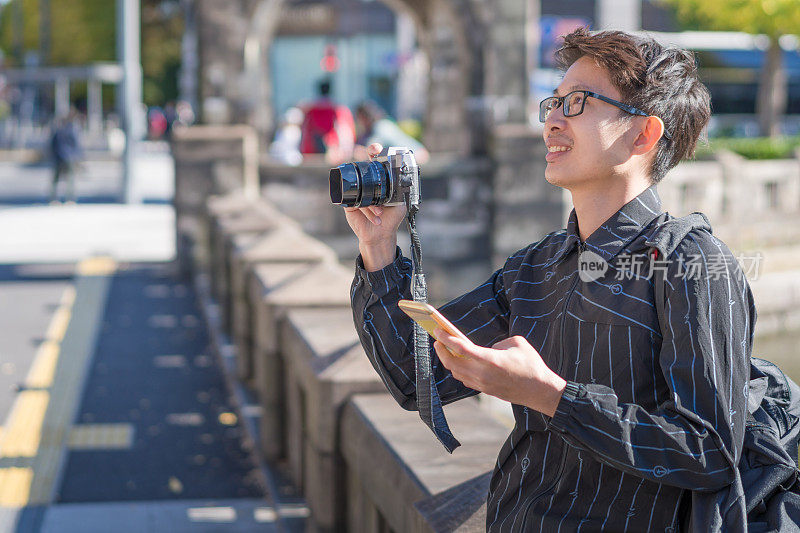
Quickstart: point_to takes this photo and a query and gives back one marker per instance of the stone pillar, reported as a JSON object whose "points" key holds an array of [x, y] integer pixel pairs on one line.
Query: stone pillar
{"points": [[189, 55], [446, 122], [525, 206], [507, 79], [209, 160], [221, 26]]}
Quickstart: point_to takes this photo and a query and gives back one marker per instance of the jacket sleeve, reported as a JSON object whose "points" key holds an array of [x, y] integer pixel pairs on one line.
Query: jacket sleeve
{"points": [[386, 332], [694, 439]]}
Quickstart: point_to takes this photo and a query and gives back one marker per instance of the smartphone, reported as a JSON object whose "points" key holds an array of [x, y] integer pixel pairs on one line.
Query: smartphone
{"points": [[429, 318]]}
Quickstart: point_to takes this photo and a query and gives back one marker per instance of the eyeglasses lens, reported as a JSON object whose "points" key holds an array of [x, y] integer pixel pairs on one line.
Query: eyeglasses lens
{"points": [[546, 107], [573, 104]]}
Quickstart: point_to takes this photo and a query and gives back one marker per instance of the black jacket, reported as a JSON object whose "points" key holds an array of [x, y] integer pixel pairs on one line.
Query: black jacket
{"points": [[643, 418]]}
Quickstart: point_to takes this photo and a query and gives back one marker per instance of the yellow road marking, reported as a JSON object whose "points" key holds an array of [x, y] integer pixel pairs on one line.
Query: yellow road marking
{"points": [[58, 325], [43, 369], [97, 266], [23, 432], [36, 430], [101, 437], [15, 486], [40, 376]]}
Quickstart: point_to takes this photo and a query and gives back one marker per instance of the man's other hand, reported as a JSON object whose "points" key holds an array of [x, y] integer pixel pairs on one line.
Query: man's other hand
{"points": [[511, 370]]}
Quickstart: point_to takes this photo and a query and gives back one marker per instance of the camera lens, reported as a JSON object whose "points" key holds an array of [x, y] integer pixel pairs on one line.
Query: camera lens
{"points": [[359, 184], [375, 182], [345, 185]]}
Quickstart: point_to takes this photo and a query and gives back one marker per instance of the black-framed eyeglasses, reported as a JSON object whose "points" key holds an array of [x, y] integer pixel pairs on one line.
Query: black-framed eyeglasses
{"points": [[574, 101]]}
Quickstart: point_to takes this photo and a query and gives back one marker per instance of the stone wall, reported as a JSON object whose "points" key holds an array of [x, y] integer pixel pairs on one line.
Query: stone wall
{"points": [[324, 416], [209, 160]]}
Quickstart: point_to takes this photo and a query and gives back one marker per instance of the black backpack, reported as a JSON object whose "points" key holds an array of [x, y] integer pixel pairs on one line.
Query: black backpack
{"points": [[768, 468]]}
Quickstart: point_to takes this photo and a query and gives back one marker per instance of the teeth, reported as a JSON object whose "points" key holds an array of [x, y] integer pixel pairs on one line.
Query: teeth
{"points": [[559, 149]]}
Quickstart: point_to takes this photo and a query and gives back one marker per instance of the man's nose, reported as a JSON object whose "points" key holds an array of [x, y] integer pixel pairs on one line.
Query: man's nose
{"points": [[555, 120]]}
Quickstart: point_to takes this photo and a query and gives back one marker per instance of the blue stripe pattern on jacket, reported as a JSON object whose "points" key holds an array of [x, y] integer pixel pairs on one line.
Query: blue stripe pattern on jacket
{"points": [[643, 418]]}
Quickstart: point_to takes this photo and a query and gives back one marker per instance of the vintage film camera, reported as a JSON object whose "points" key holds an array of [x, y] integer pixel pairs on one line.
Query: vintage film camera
{"points": [[384, 181]]}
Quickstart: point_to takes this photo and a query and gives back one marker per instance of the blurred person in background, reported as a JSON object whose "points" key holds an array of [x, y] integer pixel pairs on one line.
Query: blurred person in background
{"points": [[328, 128], [67, 153], [375, 127], [157, 123], [185, 114], [286, 146]]}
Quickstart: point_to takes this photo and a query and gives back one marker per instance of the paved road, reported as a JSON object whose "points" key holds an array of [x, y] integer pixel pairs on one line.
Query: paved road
{"points": [[115, 412]]}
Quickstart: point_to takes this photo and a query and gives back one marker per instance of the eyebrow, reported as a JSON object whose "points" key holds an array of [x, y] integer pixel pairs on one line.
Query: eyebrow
{"points": [[577, 87]]}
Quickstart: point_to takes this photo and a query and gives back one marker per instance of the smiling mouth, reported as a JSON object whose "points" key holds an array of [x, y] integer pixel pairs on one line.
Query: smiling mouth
{"points": [[552, 149]]}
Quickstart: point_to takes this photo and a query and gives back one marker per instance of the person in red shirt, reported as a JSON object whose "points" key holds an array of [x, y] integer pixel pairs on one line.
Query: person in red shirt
{"points": [[328, 128]]}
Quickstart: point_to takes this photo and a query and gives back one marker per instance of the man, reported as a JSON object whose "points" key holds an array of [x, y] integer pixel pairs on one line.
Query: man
{"points": [[327, 128], [375, 127], [615, 425], [66, 150]]}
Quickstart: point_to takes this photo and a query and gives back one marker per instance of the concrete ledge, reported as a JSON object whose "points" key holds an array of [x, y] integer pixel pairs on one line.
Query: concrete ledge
{"points": [[286, 244], [325, 366], [208, 161], [394, 462], [249, 223], [274, 290], [460, 508]]}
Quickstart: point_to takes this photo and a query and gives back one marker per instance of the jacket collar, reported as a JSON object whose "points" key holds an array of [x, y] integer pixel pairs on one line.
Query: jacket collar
{"points": [[618, 231]]}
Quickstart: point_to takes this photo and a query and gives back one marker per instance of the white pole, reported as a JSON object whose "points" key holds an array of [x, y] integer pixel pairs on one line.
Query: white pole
{"points": [[62, 97], [130, 89], [94, 107]]}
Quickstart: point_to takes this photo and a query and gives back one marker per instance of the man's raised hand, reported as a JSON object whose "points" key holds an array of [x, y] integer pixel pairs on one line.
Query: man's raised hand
{"points": [[376, 227]]}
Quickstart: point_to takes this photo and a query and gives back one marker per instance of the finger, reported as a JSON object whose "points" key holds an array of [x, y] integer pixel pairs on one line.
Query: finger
{"points": [[372, 217], [511, 342], [354, 212], [457, 345], [376, 210], [374, 149], [447, 358]]}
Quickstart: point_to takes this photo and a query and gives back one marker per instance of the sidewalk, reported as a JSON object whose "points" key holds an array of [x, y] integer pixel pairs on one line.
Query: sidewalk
{"points": [[117, 416]]}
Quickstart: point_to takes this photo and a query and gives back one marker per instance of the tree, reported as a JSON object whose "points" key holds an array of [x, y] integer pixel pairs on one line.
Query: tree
{"points": [[772, 18], [83, 32], [162, 29]]}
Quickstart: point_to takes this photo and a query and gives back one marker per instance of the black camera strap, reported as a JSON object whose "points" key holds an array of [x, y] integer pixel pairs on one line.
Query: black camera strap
{"points": [[429, 404]]}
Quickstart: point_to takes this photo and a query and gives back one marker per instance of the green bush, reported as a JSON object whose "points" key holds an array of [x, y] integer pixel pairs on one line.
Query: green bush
{"points": [[751, 148]]}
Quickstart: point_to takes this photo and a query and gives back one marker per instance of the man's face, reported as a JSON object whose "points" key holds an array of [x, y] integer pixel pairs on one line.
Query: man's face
{"points": [[594, 145]]}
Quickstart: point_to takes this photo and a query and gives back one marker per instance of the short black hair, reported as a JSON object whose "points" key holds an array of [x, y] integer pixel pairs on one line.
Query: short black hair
{"points": [[324, 87], [661, 80]]}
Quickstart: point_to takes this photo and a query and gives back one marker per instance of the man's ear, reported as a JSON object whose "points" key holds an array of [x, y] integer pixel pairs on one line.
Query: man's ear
{"points": [[649, 135]]}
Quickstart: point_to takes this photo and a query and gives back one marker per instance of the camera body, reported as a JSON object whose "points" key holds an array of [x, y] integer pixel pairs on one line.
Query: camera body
{"points": [[383, 181]]}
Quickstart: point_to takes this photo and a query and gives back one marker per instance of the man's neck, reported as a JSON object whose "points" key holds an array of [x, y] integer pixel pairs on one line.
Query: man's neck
{"points": [[595, 204]]}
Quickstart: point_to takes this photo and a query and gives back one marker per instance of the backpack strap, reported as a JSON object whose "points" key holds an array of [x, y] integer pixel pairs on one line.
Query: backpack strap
{"points": [[664, 240], [659, 285]]}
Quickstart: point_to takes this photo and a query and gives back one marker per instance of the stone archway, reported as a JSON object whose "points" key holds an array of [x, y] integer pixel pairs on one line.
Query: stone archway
{"points": [[470, 64]]}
